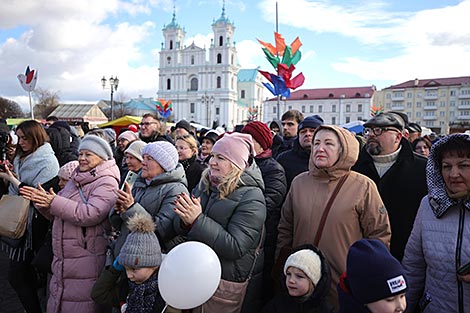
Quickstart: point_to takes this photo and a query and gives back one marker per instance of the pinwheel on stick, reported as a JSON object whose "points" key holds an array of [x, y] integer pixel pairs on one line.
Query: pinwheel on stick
{"points": [[28, 82], [164, 108]]}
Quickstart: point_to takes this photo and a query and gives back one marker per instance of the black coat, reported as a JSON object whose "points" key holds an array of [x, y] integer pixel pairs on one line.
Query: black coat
{"points": [[60, 140], [402, 187], [294, 161], [193, 171]]}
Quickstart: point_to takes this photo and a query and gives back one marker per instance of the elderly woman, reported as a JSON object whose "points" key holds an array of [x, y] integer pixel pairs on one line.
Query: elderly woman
{"points": [[80, 213], [421, 146], [156, 188], [208, 141], [187, 153], [133, 158], [227, 212], [440, 239], [356, 212]]}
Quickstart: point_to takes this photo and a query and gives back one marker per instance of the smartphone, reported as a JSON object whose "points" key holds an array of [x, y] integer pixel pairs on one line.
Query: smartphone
{"points": [[130, 179], [464, 269]]}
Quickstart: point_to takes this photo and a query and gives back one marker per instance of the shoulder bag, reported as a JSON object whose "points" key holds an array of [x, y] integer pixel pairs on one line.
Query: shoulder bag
{"points": [[13, 216]]}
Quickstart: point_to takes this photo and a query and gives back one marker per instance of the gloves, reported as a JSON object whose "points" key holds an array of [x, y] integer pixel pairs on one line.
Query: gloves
{"points": [[118, 266]]}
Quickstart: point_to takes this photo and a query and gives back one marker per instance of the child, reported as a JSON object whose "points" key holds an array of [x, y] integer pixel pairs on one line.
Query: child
{"points": [[307, 283], [140, 256], [374, 281]]}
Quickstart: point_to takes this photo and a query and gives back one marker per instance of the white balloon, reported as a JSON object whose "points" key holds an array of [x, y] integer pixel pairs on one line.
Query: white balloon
{"points": [[189, 275]]}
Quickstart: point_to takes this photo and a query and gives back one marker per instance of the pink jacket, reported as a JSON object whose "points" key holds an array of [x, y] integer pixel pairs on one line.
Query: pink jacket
{"points": [[78, 237]]}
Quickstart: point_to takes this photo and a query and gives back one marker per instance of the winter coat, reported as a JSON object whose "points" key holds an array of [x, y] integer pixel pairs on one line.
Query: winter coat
{"points": [[438, 245], [155, 198], [60, 140], [347, 303], [157, 137], [315, 303], [357, 212], [294, 161], [401, 188], [193, 171], [79, 237], [286, 144], [232, 227]]}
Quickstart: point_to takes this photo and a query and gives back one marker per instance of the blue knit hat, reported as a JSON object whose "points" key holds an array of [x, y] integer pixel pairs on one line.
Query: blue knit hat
{"points": [[312, 121], [372, 272]]}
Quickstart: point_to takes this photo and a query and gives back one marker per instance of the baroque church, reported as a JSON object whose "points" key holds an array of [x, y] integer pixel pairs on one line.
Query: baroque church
{"points": [[208, 87]]}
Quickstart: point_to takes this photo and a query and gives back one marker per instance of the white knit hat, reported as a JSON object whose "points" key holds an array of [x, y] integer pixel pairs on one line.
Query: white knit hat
{"points": [[135, 149], [307, 261], [164, 153]]}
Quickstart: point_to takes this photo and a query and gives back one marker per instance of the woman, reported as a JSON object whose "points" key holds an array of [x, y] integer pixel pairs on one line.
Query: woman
{"points": [[159, 182], [421, 146], [34, 163], [123, 142], [207, 143], [187, 152], [356, 212], [133, 158], [227, 212], [440, 240], [80, 213]]}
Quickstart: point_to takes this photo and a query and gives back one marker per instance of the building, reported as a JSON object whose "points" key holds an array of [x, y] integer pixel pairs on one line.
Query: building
{"points": [[78, 113], [441, 104], [251, 90], [336, 106], [203, 89]]}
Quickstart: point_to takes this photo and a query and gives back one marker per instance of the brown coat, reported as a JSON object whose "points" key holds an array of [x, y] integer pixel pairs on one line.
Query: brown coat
{"points": [[357, 212]]}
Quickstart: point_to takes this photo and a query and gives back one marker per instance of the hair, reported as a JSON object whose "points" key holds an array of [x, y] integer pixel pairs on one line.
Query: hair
{"points": [[227, 185], [455, 146], [293, 114], [34, 132], [154, 116], [418, 140], [52, 118], [190, 140]]}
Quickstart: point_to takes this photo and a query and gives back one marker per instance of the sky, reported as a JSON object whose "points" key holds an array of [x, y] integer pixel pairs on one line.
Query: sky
{"points": [[346, 43]]}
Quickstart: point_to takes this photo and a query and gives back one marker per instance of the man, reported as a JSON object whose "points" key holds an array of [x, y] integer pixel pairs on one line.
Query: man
{"points": [[415, 131], [295, 161], [183, 128], [63, 141], [387, 158], [150, 129], [290, 122]]}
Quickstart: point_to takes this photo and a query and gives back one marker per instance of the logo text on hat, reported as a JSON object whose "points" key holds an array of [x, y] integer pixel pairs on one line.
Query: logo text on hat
{"points": [[396, 284]]}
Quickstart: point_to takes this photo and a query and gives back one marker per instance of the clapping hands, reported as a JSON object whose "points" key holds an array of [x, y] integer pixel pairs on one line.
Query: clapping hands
{"points": [[40, 197], [187, 207]]}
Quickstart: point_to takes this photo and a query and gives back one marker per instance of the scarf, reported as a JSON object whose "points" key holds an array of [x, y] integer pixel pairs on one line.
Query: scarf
{"points": [[141, 298], [188, 162]]}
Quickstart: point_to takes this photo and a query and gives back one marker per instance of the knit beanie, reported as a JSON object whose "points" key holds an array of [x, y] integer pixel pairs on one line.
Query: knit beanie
{"points": [[135, 149], [236, 148], [65, 172], [307, 261], [184, 124], [164, 153], [97, 145], [141, 248], [312, 121], [128, 135], [373, 273], [260, 132]]}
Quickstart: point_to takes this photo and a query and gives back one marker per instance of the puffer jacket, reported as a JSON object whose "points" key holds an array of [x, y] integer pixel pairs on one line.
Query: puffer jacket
{"points": [[438, 245], [233, 227], [155, 198], [78, 237], [357, 212]]}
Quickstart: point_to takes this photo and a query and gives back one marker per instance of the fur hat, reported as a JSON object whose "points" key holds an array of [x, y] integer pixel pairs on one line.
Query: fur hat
{"points": [[260, 132], [236, 147], [312, 121], [97, 145], [372, 272], [307, 261], [385, 120], [141, 248], [164, 153], [65, 172], [135, 149], [128, 135]]}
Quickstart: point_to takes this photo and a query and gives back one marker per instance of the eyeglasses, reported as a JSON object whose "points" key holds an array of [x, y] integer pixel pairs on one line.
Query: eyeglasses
{"points": [[147, 123], [378, 130]]}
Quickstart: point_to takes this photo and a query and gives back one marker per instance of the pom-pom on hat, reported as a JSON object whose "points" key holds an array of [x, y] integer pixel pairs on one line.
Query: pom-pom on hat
{"points": [[260, 132], [135, 149], [372, 272], [96, 145], [312, 121], [128, 135], [65, 172], [141, 248], [164, 153], [307, 261], [235, 147]]}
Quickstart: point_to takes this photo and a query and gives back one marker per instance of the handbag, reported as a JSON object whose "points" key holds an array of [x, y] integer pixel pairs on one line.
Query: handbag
{"points": [[44, 256], [13, 216]]}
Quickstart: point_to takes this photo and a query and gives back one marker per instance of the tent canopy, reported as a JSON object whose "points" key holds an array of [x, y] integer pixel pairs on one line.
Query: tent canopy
{"points": [[122, 121]]}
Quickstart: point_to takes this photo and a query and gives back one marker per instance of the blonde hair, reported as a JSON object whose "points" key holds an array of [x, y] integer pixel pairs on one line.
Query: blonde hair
{"points": [[190, 140], [227, 184]]}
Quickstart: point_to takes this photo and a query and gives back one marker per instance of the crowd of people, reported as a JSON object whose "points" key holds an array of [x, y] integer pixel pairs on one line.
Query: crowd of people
{"points": [[313, 217]]}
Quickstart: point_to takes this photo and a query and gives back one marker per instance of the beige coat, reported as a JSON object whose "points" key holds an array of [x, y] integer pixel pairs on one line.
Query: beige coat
{"points": [[357, 212]]}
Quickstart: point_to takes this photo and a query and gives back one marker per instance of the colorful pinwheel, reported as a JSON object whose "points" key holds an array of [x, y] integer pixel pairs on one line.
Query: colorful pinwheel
{"points": [[283, 81], [28, 80], [252, 114], [376, 110], [164, 108]]}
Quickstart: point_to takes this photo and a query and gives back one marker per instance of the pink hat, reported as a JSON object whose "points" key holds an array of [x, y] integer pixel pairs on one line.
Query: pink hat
{"points": [[65, 172], [128, 135], [236, 147]]}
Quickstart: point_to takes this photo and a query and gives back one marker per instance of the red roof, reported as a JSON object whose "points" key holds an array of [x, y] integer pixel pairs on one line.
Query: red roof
{"points": [[331, 93], [433, 82]]}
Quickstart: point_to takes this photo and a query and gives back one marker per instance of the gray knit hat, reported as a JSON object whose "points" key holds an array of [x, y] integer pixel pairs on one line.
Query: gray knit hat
{"points": [[135, 149], [141, 248], [164, 153], [97, 145]]}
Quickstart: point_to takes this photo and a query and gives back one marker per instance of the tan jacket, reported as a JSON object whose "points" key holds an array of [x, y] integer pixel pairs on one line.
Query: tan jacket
{"points": [[357, 212]]}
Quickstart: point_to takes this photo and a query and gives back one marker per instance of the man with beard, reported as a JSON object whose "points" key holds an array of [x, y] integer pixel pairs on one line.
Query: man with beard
{"points": [[399, 173], [150, 129]]}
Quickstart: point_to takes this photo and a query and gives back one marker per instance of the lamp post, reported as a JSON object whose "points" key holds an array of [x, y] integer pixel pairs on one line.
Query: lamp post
{"points": [[113, 83], [208, 101]]}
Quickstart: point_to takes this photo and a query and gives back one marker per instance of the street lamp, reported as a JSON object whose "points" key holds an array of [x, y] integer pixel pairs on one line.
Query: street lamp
{"points": [[208, 101], [113, 83]]}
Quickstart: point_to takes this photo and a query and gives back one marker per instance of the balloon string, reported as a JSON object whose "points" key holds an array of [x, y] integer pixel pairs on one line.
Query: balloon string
{"points": [[166, 305]]}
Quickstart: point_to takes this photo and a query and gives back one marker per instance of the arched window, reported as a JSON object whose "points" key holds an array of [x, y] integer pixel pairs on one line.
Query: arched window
{"points": [[192, 60], [194, 83], [219, 82], [219, 58], [221, 41], [171, 44], [168, 84]]}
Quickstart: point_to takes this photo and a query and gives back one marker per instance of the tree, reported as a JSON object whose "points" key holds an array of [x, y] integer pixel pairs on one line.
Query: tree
{"points": [[47, 101], [9, 108]]}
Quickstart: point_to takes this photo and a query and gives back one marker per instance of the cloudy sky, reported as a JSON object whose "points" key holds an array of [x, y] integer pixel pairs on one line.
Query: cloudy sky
{"points": [[345, 43]]}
